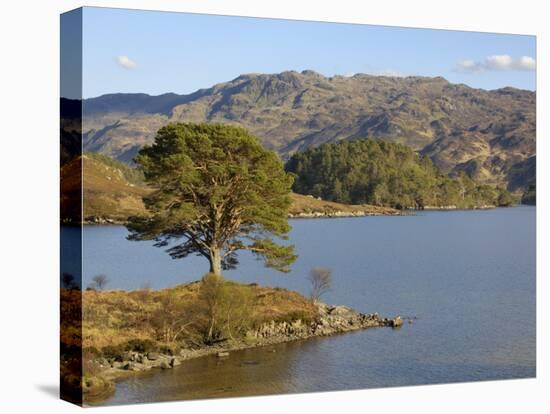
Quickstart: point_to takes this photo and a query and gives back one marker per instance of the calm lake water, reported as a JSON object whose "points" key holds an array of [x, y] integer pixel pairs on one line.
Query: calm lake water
{"points": [[468, 276]]}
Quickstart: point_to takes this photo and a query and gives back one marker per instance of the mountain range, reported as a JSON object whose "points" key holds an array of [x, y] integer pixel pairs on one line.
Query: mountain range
{"points": [[490, 135]]}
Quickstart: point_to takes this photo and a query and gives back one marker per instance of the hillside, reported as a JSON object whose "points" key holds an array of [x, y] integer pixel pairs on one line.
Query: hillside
{"points": [[113, 191], [483, 133], [386, 174]]}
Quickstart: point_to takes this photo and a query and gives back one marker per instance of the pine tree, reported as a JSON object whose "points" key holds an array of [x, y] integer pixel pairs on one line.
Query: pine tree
{"points": [[218, 191]]}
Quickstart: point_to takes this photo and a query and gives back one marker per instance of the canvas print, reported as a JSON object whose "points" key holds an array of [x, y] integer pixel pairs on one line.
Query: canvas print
{"points": [[260, 206]]}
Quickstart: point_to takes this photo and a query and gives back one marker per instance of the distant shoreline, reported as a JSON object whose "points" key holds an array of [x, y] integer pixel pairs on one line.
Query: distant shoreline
{"points": [[95, 220], [388, 212], [313, 215]]}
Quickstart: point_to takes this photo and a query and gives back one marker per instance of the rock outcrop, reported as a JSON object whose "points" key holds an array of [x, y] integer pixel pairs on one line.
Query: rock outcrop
{"points": [[332, 320]]}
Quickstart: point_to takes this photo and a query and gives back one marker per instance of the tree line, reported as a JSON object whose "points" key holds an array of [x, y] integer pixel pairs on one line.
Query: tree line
{"points": [[365, 171]]}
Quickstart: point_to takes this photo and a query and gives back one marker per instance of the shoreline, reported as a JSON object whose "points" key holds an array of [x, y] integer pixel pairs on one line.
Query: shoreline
{"points": [[305, 215], [344, 214], [95, 220], [333, 320]]}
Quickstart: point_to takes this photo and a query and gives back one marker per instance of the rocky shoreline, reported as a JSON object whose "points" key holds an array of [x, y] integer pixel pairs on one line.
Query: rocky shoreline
{"points": [[453, 207], [95, 220], [338, 214], [332, 320]]}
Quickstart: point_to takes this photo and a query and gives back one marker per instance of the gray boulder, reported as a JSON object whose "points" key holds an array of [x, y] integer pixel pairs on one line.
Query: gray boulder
{"points": [[397, 322], [152, 356], [342, 311], [128, 366]]}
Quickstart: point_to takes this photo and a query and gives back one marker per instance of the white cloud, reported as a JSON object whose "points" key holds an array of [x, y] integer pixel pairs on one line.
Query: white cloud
{"points": [[497, 63], [125, 62], [468, 66], [527, 63]]}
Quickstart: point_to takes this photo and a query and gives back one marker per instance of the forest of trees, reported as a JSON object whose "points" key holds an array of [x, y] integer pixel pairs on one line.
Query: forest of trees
{"points": [[530, 195], [365, 171]]}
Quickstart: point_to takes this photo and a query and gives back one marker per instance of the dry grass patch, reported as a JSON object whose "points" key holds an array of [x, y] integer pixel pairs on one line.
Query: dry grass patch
{"points": [[178, 316], [309, 204]]}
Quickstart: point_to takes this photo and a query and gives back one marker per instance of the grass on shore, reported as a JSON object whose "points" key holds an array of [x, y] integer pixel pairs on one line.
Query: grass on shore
{"points": [[106, 325], [309, 204], [178, 317]]}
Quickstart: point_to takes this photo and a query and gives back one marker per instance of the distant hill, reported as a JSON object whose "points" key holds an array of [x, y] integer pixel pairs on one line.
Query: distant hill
{"points": [[482, 133]]}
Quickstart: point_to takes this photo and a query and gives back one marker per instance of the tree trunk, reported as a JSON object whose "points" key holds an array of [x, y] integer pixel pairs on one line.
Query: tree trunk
{"points": [[210, 330], [215, 262]]}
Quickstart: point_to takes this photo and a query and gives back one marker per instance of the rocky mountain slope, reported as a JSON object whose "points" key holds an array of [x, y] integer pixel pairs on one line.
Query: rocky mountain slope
{"points": [[486, 134]]}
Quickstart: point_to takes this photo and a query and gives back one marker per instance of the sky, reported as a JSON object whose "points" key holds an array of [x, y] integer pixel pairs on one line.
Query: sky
{"points": [[159, 52]]}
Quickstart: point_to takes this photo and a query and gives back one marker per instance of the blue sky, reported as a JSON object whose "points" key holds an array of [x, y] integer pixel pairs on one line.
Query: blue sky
{"points": [[158, 52]]}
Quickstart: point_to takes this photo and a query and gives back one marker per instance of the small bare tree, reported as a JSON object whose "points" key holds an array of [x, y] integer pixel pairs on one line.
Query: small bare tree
{"points": [[100, 281], [321, 280]]}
